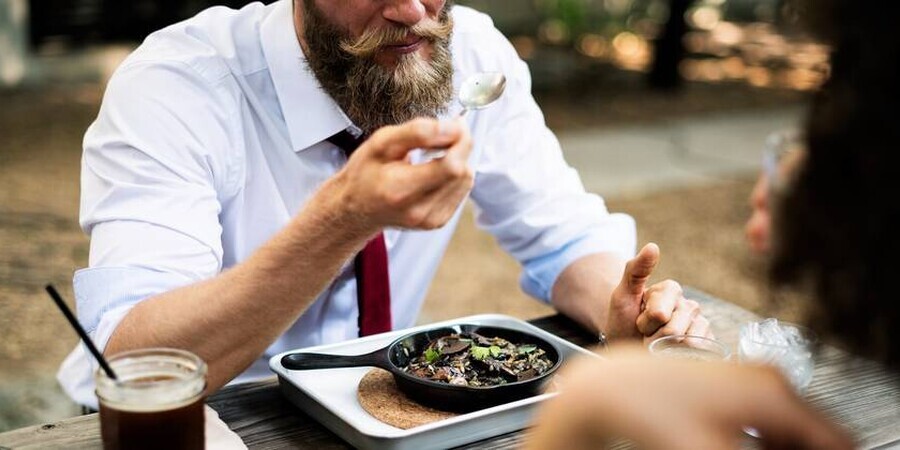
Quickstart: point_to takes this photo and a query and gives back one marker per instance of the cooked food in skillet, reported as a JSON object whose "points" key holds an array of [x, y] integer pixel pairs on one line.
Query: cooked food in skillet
{"points": [[470, 359]]}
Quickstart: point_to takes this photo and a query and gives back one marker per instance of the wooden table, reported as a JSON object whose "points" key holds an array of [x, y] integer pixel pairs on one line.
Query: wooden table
{"points": [[859, 394]]}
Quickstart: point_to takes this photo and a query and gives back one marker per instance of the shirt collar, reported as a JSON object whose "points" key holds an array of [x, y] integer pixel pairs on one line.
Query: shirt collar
{"points": [[311, 115]]}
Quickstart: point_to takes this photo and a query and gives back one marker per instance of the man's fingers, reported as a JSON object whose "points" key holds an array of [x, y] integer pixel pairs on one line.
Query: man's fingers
{"points": [[699, 327], [682, 317], [639, 269], [410, 184], [395, 142], [660, 301], [439, 206], [431, 192], [423, 180]]}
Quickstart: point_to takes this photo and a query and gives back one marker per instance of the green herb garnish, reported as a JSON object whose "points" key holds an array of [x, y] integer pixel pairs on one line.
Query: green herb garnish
{"points": [[432, 355], [480, 353]]}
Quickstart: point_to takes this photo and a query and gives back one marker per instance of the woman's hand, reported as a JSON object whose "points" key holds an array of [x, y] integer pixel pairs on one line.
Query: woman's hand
{"points": [[671, 404]]}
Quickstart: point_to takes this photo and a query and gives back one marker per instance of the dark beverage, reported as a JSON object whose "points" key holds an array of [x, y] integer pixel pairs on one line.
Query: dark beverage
{"points": [[157, 402], [179, 428]]}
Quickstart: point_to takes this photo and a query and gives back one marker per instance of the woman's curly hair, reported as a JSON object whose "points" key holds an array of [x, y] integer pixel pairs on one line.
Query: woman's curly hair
{"points": [[838, 228]]}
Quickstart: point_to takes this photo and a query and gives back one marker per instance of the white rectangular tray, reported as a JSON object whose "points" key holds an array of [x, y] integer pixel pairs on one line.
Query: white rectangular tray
{"points": [[329, 395]]}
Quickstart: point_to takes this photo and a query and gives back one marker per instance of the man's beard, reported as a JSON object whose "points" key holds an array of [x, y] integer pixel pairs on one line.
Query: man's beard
{"points": [[370, 94]]}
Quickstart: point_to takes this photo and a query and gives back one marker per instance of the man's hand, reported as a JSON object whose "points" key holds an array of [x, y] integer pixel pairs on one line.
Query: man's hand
{"points": [[670, 404], [639, 311], [380, 188]]}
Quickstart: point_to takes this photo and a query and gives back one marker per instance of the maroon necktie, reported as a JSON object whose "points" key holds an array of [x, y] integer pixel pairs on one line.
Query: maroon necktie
{"points": [[373, 288]]}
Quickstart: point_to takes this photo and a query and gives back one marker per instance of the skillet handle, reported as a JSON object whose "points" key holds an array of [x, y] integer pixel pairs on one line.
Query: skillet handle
{"points": [[311, 361]]}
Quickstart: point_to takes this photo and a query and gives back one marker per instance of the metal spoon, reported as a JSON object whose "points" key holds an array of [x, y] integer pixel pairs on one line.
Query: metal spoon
{"points": [[477, 91], [480, 90]]}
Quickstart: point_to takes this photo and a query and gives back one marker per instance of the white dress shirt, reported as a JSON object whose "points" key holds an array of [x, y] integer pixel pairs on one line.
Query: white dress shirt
{"points": [[211, 136]]}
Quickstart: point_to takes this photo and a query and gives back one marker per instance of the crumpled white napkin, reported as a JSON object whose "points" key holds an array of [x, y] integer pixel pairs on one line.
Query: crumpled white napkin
{"points": [[218, 435]]}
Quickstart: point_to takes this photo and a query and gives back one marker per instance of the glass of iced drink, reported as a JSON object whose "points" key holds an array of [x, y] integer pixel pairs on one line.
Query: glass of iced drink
{"points": [[683, 346], [157, 401], [787, 346]]}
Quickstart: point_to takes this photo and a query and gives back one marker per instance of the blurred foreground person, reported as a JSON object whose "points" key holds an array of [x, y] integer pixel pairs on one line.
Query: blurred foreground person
{"points": [[833, 232], [669, 404]]}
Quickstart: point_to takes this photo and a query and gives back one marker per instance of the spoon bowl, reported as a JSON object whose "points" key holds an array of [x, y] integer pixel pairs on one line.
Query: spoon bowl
{"points": [[480, 90], [477, 91]]}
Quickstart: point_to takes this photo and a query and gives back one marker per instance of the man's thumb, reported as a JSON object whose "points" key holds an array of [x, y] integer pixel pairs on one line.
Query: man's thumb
{"points": [[639, 269]]}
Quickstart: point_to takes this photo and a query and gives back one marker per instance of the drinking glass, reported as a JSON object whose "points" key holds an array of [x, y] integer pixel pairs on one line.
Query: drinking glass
{"points": [[156, 402], [784, 345], [684, 346]]}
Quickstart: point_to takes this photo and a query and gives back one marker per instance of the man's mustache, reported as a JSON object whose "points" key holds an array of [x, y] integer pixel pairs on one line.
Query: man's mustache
{"points": [[374, 39]]}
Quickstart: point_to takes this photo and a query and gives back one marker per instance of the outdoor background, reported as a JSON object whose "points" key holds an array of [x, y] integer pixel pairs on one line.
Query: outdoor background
{"points": [[662, 105]]}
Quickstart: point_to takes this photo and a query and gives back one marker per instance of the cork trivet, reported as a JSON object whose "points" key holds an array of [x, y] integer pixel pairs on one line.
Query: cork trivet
{"points": [[379, 396]]}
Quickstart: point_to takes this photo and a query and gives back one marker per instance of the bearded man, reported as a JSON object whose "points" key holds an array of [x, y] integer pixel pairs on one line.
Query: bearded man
{"points": [[230, 215]]}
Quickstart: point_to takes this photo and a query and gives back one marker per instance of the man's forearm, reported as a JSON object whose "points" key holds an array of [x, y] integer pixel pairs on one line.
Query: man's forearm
{"points": [[583, 290], [231, 319]]}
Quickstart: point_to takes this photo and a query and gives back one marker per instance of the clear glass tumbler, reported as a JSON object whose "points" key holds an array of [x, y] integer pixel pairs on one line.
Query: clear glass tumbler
{"points": [[683, 346], [784, 345], [156, 402], [787, 346]]}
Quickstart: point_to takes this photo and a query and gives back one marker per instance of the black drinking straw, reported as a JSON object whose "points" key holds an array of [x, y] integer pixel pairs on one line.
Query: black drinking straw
{"points": [[77, 326]]}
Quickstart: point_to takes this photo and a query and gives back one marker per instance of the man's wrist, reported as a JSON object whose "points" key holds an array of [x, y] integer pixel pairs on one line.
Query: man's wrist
{"points": [[601, 328], [341, 214]]}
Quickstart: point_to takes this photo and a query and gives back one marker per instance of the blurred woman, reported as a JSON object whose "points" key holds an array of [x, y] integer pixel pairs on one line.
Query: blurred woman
{"points": [[835, 234], [837, 228]]}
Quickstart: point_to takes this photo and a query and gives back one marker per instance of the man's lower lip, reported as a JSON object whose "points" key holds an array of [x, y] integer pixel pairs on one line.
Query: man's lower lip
{"points": [[409, 48]]}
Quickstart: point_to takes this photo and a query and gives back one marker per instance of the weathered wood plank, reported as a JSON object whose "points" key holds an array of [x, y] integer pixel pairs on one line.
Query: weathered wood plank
{"points": [[75, 433], [264, 419], [859, 394]]}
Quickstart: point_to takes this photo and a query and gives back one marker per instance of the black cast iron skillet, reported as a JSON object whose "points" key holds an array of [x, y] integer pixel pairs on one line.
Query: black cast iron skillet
{"points": [[438, 395]]}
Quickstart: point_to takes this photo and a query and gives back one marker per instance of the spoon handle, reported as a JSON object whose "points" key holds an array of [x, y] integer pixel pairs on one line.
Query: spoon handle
{"points": [[438, 153]]}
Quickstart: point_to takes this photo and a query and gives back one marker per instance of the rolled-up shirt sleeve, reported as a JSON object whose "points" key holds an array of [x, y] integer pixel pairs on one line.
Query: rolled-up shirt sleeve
{"points": [[154, 173], [529, 198]]}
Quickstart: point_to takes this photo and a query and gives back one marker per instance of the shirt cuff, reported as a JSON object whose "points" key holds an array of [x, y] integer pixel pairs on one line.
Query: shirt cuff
{"points": [[104, 296], [76, 374], [539, 274], [102, 289]]}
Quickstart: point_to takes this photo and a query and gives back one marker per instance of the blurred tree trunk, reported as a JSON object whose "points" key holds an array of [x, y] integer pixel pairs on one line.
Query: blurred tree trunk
{"points": [[13, 41], [668, 49]]}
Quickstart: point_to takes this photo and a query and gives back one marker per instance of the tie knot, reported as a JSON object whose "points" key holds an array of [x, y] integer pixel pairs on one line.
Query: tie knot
{"points": [[346, 142]]}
